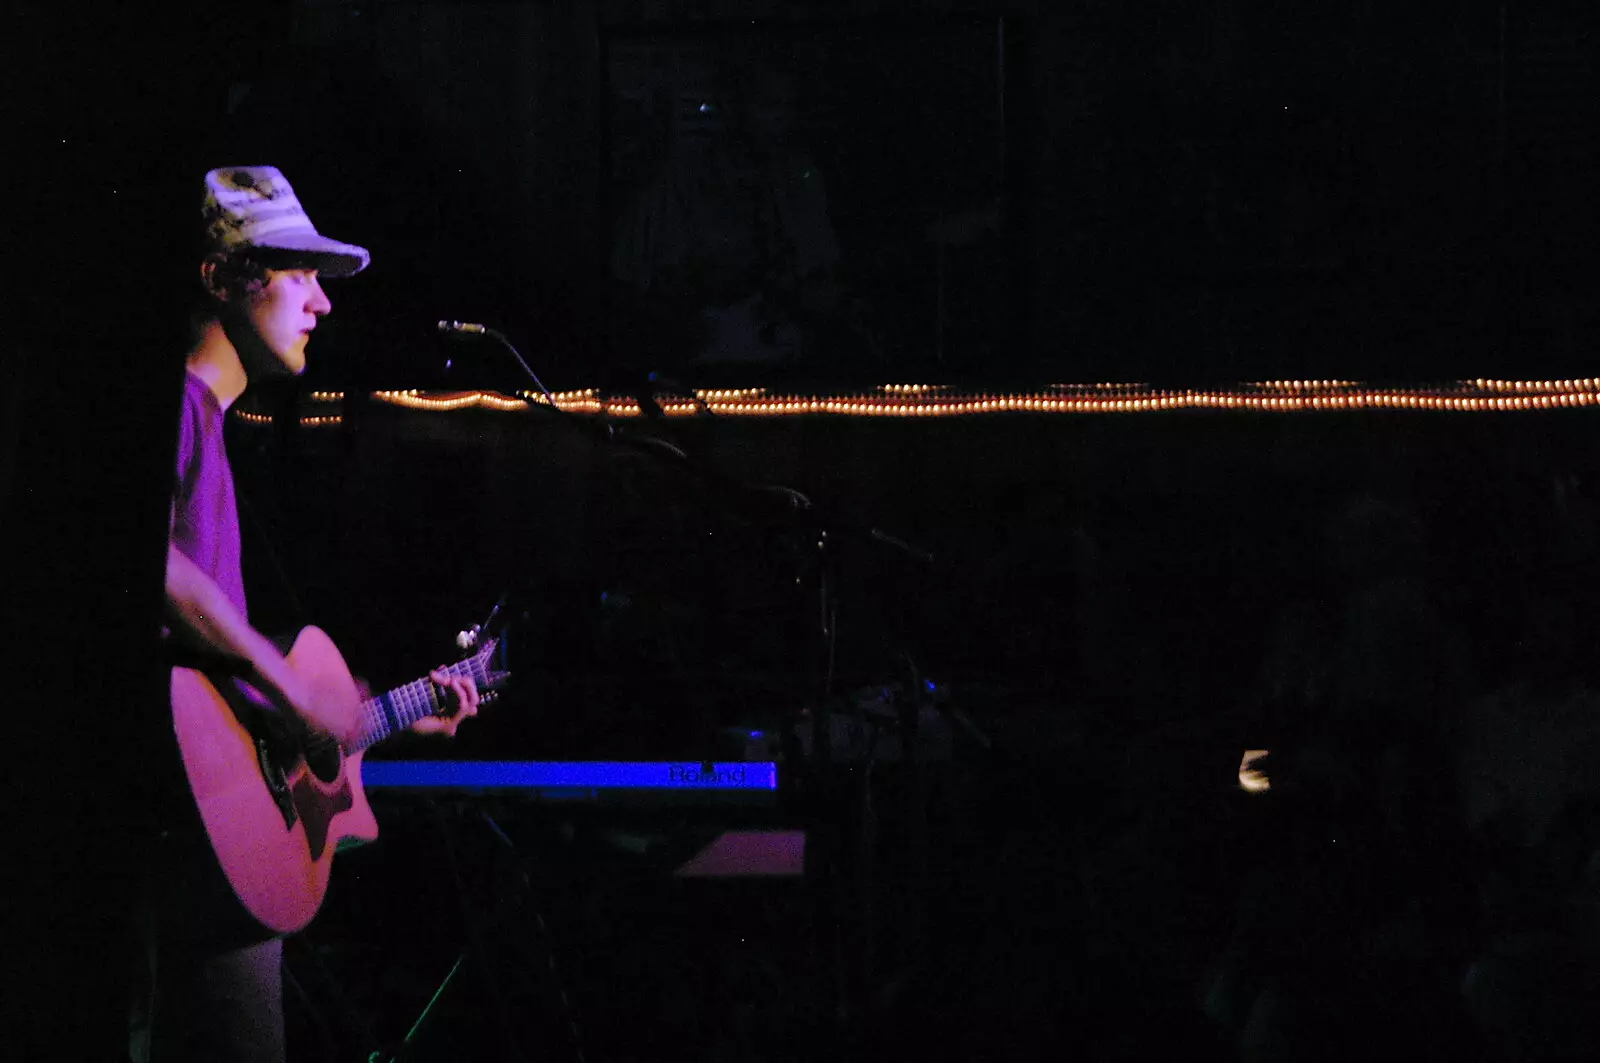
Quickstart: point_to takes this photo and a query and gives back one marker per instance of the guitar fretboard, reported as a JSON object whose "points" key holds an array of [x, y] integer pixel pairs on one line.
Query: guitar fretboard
{"points": [[395, 710]]}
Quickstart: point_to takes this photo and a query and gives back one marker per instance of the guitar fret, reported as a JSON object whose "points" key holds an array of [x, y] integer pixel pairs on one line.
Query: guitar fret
{"points": [[405, 705], [376, 731], [390, 723], [420, 700]]}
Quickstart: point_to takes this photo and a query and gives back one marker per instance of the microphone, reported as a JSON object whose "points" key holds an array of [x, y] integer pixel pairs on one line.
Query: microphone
{"points": [[473, 328]]}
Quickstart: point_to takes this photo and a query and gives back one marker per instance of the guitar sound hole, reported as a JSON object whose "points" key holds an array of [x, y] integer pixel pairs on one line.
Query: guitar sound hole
{"points": [[323, 760]]}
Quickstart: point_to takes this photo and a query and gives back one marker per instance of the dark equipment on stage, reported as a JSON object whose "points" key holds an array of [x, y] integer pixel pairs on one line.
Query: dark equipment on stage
{"points": [[782, 794]]}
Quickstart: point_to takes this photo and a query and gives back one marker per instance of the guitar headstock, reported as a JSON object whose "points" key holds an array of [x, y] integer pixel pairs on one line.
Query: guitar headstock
{"points": [[471, 641], [480, 647]]}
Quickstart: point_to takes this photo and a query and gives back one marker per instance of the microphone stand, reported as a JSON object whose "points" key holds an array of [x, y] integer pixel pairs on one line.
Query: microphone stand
{"points": [[469, 328], [789, 507], [790, 511]]}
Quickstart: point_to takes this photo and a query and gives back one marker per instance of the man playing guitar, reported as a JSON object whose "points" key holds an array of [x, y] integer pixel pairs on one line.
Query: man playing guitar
{"points": [[260, 296]]}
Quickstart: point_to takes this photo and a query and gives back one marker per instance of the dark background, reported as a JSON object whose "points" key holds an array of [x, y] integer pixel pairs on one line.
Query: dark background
{"points": [[1219, 193], [1170, 194]]}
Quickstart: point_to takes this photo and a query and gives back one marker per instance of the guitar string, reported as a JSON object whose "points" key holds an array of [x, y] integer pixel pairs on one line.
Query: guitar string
{"points": [[415, 700]]}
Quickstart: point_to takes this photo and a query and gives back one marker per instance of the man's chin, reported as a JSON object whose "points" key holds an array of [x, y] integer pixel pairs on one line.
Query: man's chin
{"points": [[278, 365]]}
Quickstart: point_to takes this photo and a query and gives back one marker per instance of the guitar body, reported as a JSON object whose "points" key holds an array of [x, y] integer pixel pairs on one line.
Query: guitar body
{"points": [[276, 850]]}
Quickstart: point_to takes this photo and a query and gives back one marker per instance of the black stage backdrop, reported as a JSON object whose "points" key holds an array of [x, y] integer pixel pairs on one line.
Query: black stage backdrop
{"points": [[111, 114]]}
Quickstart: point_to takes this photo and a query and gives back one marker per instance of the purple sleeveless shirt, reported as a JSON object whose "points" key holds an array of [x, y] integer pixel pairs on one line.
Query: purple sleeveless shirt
{"points": [[205, 518]]}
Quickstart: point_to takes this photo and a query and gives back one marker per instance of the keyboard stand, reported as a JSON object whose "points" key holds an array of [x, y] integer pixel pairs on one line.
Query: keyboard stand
{"points": [[525, 898]]}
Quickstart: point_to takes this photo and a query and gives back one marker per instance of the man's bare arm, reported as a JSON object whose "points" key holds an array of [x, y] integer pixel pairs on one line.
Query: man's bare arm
{"points": [[201, 609]]}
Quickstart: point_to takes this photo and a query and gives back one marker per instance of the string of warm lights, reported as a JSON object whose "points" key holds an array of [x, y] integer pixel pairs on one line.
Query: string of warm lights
{"points": [[723, 394], [1092, 389], [459, 400], [1522, 386], [1303, 385], [317, 421], [933, 400]]}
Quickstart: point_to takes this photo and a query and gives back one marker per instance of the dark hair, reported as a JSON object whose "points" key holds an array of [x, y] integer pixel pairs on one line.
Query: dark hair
{"points": [[245, 272], [237, 273], [242, 273]]}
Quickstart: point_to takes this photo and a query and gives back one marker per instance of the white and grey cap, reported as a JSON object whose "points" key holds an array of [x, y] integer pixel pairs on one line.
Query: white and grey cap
{"points": [[253, 207]]}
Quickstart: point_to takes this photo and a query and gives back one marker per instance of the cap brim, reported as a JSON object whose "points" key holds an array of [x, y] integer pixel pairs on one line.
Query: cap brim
{"points": [[329, 257]]}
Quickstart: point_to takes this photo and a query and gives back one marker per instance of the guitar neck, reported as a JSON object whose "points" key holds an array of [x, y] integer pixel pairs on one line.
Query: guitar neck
{"points": [[395, 710]]}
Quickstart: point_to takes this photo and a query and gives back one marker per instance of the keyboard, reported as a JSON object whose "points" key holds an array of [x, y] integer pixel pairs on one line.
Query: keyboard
{"points": [[726, 850], [555, 777]]}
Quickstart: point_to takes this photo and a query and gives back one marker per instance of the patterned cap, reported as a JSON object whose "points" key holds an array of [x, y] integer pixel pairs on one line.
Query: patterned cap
{"points": [[253, 206]]}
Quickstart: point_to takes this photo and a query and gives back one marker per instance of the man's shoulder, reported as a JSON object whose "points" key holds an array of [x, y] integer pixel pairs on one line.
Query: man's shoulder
{"points": [[197, 394], [199, 421]]}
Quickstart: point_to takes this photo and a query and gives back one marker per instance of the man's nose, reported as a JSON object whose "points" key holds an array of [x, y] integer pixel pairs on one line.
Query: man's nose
{"points": [[318, 303]]}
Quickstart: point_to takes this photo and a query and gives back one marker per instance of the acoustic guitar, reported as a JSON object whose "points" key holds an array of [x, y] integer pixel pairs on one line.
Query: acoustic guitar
{"points": [[275, 807]]}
